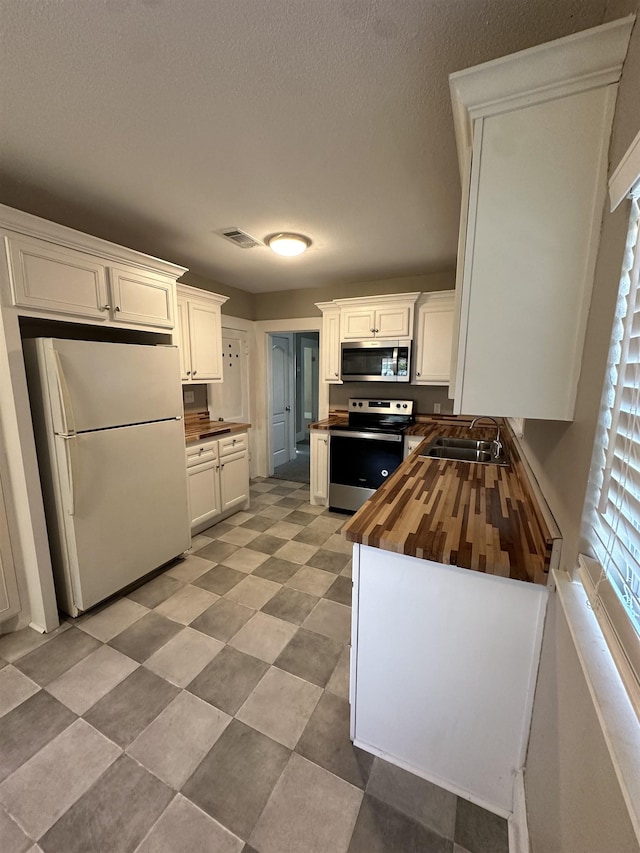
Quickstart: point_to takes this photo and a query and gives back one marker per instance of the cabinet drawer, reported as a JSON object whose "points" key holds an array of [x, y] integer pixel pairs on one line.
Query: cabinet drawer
{"points": [[199, 453], [54, 278], [232, 444]]}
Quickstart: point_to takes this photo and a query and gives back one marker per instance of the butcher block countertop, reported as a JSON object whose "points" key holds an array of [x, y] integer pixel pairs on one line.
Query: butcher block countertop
{"points": [[197, 426], [487, 518]]}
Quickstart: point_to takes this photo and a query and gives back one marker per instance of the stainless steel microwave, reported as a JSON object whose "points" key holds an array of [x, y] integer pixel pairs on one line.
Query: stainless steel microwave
{"points": [[375, 361]]}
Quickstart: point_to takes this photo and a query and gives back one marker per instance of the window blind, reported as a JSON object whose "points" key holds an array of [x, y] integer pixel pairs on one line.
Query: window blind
{"points": [[610, 566]]}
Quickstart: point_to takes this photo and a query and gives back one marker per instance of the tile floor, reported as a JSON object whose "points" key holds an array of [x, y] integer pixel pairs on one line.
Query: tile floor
{"points": [[207, 711]]}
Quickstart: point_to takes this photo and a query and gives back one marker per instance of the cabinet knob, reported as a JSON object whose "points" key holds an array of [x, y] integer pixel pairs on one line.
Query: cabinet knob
{"points": [[105, 307], [117, 308], [188, 373], [417, 373], [336, 373], [194, 372], [222, 466]]}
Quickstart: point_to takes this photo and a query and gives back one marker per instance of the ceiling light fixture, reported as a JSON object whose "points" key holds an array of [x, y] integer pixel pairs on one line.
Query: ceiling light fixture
{"points": [[288, 244]]}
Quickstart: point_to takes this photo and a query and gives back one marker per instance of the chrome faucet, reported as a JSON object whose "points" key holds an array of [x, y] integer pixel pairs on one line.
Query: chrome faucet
{"points": [[497, 444]]}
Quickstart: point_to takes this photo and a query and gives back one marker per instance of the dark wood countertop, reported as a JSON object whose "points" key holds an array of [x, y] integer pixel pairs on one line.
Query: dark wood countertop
{"points": [[197, 425], [481, 517]]}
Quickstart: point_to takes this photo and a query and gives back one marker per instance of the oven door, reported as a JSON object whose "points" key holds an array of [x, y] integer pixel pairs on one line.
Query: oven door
{"points": [[360, 462], [375, 361]]}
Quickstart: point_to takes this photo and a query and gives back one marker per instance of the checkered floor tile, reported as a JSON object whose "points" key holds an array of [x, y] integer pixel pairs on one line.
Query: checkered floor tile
{"points": [[208, 710]]}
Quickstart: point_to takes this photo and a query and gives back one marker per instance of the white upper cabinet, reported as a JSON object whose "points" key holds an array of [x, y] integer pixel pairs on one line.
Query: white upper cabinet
{"points": [[52, 270], [532, 132], [432, 342], [389, 316], [330, 342], [200, 329], [56, 278], [141, 298]]}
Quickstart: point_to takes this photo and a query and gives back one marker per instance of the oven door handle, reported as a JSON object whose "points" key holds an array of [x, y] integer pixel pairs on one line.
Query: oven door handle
{"points": [[374, 436]]}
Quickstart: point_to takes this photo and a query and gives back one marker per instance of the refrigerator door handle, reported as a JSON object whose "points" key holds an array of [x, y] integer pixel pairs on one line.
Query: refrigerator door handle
{"points": [[69, 450], [68, 422]]}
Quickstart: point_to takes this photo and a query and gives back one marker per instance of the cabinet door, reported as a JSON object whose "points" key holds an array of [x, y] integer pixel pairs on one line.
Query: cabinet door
{"points": [[184, 345], [234, 480], [537, 183], [411, 442], [141, 298], [204, 493], [319, 471], [206, 341], [393, 322], [433, 344], [331, 346], [54, 278], [358, 323]]}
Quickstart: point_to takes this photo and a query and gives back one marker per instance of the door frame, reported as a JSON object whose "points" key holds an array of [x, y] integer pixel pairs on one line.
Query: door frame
{"points": [[262, 383], [300, 339]]}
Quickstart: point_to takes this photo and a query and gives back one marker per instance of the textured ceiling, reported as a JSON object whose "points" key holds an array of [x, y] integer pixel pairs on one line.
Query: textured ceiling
{"points": [[157, 123]]}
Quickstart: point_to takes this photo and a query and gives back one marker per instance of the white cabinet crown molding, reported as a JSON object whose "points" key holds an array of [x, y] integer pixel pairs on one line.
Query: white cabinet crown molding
{"points": [[385, 298], [576, 63], [35, 226], [191, 292]]}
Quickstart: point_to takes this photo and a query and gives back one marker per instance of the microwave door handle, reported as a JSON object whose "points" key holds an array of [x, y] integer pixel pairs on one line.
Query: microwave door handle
{"points": [[395, 361]]}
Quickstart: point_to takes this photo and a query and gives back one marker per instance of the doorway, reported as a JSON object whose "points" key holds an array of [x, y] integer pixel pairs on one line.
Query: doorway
{"points": [[294, 358]]}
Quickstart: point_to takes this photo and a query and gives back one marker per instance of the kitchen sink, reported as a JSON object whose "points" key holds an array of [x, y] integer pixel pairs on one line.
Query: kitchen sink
{"points": [[470, 444], [463, 450]]}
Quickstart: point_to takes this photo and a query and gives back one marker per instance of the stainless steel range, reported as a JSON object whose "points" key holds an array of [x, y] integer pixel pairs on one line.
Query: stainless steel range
{"points": [[364, 453]]}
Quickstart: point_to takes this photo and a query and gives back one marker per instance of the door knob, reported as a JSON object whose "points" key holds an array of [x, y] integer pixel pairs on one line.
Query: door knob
{"points": [[287, 408]]}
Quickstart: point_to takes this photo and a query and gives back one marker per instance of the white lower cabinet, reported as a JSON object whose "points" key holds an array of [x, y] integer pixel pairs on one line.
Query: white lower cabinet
{"points": [[411, 442], [319, 470], [234, 481], [218, 475], [426, 693]]}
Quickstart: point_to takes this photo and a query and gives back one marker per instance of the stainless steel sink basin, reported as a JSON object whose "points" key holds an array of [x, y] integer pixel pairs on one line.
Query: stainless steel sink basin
{"points": [[464, 450], [449, 441]]}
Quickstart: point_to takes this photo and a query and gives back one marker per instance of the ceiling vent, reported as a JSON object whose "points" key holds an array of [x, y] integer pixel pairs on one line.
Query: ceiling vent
{"points": [[240, 238]]}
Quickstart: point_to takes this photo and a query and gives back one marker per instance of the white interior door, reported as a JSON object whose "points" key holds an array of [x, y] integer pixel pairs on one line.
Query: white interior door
{"points": [[281, 408]]}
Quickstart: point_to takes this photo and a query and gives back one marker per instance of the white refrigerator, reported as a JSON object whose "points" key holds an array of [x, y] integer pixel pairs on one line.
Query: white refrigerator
{"points": [[109, 432]]}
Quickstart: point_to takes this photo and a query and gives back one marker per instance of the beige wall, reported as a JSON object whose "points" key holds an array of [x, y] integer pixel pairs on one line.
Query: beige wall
{"points": [[285, 304], [289, 304], [574, 802]]}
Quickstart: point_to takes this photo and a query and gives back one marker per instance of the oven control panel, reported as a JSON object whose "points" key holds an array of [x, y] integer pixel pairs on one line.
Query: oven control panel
{"points": [[381, 407]]}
